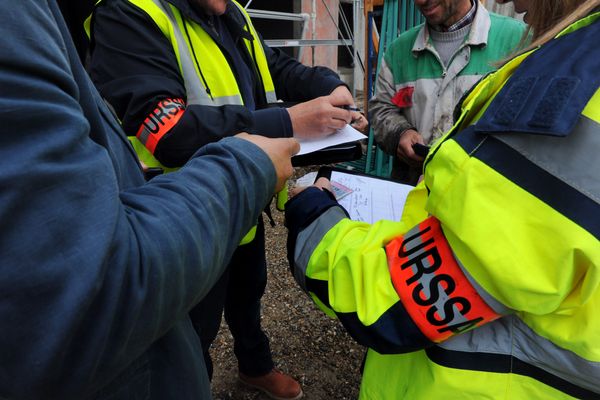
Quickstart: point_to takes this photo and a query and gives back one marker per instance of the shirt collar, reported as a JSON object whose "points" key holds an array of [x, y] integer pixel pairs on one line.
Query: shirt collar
{"points": [[464, 21]]}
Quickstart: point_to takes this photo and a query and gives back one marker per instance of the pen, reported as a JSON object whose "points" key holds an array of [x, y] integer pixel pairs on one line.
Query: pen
{"points": [[349, 108]]}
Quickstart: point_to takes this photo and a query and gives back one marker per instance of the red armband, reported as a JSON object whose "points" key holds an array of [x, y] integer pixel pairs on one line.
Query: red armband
{"points": [[431, 284], [159, 122]]}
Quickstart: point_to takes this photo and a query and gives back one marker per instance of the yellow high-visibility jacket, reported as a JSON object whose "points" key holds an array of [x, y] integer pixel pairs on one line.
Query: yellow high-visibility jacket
{"points": [[488, 286]]}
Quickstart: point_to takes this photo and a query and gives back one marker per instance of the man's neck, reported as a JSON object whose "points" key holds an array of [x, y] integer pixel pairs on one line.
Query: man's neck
{"points": [[465, 19]]}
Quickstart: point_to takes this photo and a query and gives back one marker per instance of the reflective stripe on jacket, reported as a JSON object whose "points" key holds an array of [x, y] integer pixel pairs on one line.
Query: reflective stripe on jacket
{"points": [[511, 246]]}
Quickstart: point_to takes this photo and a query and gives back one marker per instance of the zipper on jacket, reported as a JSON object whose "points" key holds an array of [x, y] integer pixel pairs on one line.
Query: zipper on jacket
{"points": [[254, 64], [256, 69], [211, 23], [207, 88]]}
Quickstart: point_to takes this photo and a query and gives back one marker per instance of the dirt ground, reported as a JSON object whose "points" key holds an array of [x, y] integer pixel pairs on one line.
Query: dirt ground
{"points": [[305, 343]]}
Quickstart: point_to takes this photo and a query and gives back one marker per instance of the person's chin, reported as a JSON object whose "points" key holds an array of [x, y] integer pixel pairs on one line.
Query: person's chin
{"points": [[430, 14], [433, 21]]}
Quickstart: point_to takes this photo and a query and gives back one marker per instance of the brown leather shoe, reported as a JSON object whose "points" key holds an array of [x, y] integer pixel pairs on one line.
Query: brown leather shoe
{"points": [[274, 384]]}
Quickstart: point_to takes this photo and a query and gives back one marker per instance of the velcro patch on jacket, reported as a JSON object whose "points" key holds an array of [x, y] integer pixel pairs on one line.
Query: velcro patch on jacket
{"points": [[159, 122], [432, 287], [403, 97], [548, 91]]}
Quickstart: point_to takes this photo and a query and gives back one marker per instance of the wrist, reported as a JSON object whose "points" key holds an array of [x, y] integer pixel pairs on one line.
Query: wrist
{"points": [[340, 84], [402, 132]]}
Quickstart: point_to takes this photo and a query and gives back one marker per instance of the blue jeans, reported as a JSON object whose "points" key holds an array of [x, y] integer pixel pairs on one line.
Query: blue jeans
{"points": [[238, 291]]}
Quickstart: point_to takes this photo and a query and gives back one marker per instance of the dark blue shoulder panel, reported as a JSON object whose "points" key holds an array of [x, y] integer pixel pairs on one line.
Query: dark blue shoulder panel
{"points": [[550, 89]]}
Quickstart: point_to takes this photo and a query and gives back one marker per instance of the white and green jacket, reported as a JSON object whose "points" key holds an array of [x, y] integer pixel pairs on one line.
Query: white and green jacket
{"points": [[415, 90]]}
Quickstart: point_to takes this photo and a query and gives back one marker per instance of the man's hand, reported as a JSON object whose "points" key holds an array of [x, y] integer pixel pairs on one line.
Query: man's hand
{"points": [[280, 151], [323, 115], [358, 121], [321, 183], [342, 96], [405, 151], [360, 124]]}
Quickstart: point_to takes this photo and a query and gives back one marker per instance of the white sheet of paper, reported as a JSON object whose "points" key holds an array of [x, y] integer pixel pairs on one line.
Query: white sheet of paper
{"points": [[372, 199], [306, 180], [345, 135]]}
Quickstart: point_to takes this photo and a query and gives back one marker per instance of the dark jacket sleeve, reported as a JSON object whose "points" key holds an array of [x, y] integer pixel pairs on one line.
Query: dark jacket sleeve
{"points": [[134, 68], [94, 270]]}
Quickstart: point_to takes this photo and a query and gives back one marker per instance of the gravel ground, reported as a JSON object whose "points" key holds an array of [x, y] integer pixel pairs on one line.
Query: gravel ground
{"points": [[305, 343]]}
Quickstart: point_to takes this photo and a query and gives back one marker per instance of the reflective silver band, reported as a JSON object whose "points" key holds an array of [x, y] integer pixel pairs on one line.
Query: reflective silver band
{"points": [[271, 97], [572, 159], [195, 90], [511, 337], [310, 237]]}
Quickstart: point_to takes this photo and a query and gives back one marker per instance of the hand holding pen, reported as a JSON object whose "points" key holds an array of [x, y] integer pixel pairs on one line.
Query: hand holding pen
{"points": [[349, 108], [358, 122], [324, 115]]}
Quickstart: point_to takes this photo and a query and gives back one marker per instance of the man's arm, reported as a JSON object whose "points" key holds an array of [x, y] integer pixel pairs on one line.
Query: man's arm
{"points": [[92, 274], [386, 118], [338, 261], [399, 287]]}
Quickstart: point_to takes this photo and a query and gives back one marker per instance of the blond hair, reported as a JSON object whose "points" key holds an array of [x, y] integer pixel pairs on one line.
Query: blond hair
{"points": [[547, 18]]}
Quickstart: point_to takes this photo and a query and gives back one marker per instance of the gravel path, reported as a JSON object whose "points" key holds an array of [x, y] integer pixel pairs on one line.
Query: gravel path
{"points": [[305, 343]]}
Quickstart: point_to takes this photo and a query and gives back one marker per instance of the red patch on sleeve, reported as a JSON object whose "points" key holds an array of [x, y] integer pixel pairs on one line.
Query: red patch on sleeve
{"points": [[403, 97]]}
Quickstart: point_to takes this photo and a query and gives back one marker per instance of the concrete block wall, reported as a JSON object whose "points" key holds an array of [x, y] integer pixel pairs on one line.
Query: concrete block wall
{"points": [[322, 25]]}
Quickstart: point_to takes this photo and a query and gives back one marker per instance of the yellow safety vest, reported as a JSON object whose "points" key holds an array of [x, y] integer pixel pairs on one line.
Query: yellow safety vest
{"points": [[209, 81], [211, 70]]}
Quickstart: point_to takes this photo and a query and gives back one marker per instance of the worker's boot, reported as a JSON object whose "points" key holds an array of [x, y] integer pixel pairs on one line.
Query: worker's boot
{"points": [[274, 384]]}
